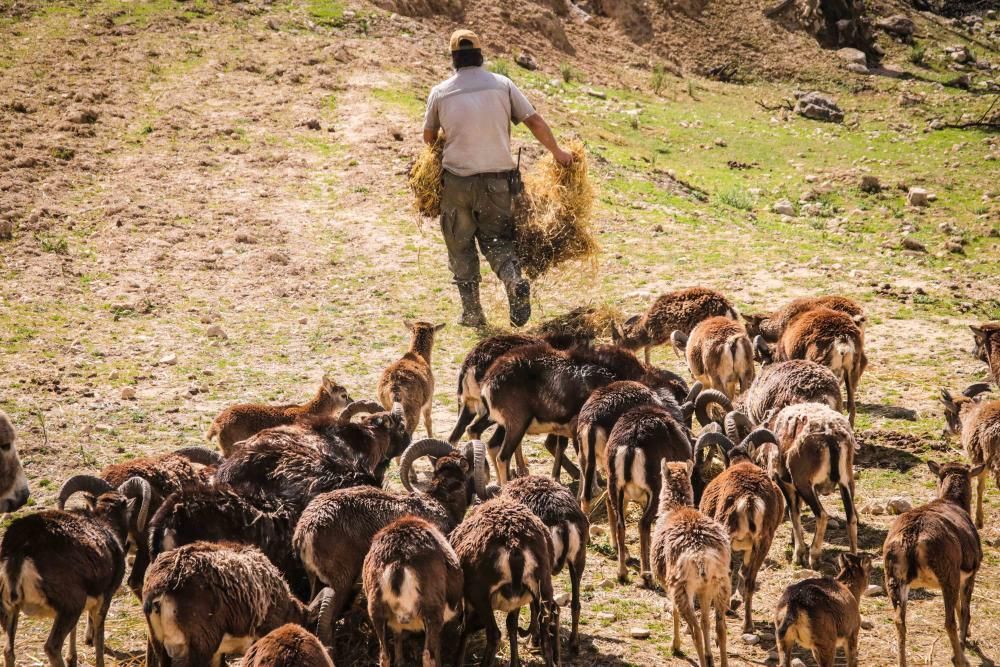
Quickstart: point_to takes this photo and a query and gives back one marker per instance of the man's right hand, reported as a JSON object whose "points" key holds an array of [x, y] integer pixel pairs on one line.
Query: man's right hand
{"points": [[565, 158]]}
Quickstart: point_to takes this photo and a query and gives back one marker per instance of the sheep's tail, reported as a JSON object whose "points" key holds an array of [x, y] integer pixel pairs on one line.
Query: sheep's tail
{"points": [[11, 583]]}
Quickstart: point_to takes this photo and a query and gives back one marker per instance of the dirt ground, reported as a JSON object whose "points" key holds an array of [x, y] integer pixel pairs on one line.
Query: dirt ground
{"points": [[168, 167]]}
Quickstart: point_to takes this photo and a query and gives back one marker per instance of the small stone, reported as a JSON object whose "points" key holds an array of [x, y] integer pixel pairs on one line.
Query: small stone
{"points": [[898, 505], [562, 599], [639, 632], [751, 639], [83, 117], [874, 591], [114, 375], [244, 237], [870, 184], [954, 247], [277, 257], [854, 56], [867, 625], [856, 68], [397, 134], [597, 530], [6, 230], [805, 573], [796, 662], [606, 584], [917, 197], [783, 207], [312, 124], [216, 331], [599, 94], [303, 320], [772, 656], [605, 616], [898, 25], [168, 360], [911, 243], [526, 60], [128, 393], [817, 106], [832, 524], [719, 141]]}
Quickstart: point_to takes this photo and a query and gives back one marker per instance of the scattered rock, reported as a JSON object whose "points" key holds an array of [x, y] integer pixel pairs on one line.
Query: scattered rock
{"points": [[772, 656], [874, 591], [6, 230], [917, 197], [599, 94], [898, 505], [961, 54], [751, 639], [606, 584], [216, 331], [783, 207], [605, 616], [797, 662], [83, 117], [832, 524], [597, 530], [911, 243], [719, 141], [639, 632], [244, 237], [277, 257], [128, 393], [870, 184], [954, 247], [397, 134], [303, 320], [526, 60], [867, 625], [805, 573], [168, 360], [911, 99], [312, 124], [853, 56], [898, 25], [856, 68], [562, 599], [817, 106]]}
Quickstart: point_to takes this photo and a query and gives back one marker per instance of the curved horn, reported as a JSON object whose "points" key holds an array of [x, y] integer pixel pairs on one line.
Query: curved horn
{"points": [[86, 483], [974, 390], [129, 488], [705, 399], [359, 407], [761, 349], [322, 606], [201, 455], [759, 436], [420, 448], [717, 440], [714, 427], [693, 393], [476, 451], [679, 339], [736, 424]]}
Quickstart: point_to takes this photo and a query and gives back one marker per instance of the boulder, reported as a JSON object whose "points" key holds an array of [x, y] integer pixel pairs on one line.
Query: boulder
{"points": [[917, 197], [898, 505], [853, 56], [783, 207], [526, 60], [817, 106], [856, 68], [897, 25]]}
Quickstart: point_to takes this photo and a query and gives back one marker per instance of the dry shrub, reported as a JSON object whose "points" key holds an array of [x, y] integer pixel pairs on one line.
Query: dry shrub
{"points": [[582, 322], [425, 179], [552, 217]]}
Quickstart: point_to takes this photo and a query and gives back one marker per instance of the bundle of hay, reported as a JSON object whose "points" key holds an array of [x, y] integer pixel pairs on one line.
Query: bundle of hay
{"points": [[425, 179], [552, 217], [582, 322]]}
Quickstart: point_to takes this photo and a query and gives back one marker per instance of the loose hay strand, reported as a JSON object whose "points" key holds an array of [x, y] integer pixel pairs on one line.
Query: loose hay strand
{"points": [[425, 179]]}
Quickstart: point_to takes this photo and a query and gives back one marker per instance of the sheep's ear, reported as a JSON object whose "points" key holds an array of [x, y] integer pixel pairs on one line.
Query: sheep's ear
{"points": [[632, 320], [935, 467], [408, 324], [689, 464], [977, 470], [946, 398], [843, 561], [664, 471], [978, 332], [438, 327], [617, 335]]}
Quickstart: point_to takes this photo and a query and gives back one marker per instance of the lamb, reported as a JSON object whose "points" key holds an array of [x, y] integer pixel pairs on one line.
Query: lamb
{"points": [[691, 562], [977, 423], [203, 601], [61, 564], [14, 489], [773, 325], [823, 614], [816, 455], [569, 528], [290, 645], [678, 310], [598, 416], [239, 422], [719, 354], [830, 338], [505, 552], [988, 347], [413, 582], [410, 381], [745, 500], [641, 438], [537, 389], [937, 546], [336, 529]]}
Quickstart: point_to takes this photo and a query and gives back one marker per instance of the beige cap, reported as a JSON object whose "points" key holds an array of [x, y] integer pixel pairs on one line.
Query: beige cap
{"points": [[464, 35]]}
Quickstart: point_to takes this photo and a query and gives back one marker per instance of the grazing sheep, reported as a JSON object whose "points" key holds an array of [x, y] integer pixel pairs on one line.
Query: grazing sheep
{"points": [[14, 490], [413, 582], [678, 310], [771, 326], [239, 422], [691, 562], [745, 500], [410, 380], [506, 556], [988, 347], [823, 613], [60, 564], [937, 546], [816, 456], [205, 600], [569, 527], [977, 423], [290, 645], [719, 354]]}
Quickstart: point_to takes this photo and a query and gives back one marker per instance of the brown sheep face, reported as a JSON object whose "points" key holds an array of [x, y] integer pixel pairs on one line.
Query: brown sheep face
{"points": [[338, 394], [13, 484]]}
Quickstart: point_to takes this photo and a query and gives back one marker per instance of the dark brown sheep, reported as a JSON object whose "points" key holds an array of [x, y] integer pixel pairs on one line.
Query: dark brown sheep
{"points": [[290, 645], [410, 380], [13, 483]]}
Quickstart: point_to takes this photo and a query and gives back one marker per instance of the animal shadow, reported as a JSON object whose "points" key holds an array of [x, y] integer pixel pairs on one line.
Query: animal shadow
{"points": [[888, 411]]}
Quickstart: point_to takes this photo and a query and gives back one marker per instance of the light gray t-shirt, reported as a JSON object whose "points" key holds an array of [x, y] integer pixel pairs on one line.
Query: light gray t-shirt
{"points": [[475, 108]]}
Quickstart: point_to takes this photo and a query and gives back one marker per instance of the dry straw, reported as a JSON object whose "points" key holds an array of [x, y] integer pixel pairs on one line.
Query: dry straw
{"points": [[552, 217]]}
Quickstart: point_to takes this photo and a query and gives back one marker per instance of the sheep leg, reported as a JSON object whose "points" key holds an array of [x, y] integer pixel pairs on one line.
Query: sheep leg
{"points": [[428, 422], [851, 406], [10, 627], [965, 600], [847, 496], [432, 642], [721, 601], [798, 537], [851, 648], [139, 566], [949, 591], [682, 601], [97, 621], [645, 354], [616, 517], [898, 594], [398, 647], [808, 494], [980, 489], [575, 574], [588, 469], [88, 637], [522, 463], [512, 636], [675, 643], [784, 646], [645, 527], [478, 427], [534, 627], [748, 573], [556, 445], [512, 437], [824, 654], [62, 626], [465, 417], [705, 604]]}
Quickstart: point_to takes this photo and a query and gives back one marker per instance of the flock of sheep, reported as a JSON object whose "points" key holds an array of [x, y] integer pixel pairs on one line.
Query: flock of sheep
{"points": [[257, 551]]}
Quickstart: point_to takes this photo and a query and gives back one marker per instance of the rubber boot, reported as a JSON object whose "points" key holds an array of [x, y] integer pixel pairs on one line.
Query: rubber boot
{"points": [[472, 311], [518, 294]]}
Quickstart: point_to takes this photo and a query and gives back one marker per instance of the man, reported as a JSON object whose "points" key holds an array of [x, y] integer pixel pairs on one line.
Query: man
{"points": [[475, 109]]}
